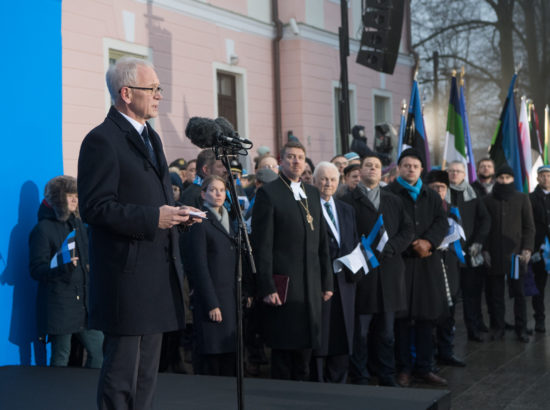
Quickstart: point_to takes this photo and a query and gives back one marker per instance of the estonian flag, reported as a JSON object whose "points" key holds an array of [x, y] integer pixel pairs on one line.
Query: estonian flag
{"points": [[415, 132], [63, 255], [377, 239]]}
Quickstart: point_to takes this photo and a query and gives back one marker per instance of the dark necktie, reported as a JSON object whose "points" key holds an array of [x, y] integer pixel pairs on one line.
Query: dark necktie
{"points": [[330, 214], [148, 146]]}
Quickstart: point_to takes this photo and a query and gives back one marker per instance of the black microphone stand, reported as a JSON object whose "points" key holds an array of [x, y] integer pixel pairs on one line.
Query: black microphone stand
{"points": [[243, 245]]}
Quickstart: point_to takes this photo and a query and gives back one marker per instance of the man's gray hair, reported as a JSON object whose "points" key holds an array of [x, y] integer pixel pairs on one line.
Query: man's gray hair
{"points": [[123, 73], [456, 161], [325, 165]]}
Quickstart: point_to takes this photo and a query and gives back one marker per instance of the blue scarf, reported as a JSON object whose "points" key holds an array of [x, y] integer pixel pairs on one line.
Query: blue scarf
{"points": [[414, 191]]}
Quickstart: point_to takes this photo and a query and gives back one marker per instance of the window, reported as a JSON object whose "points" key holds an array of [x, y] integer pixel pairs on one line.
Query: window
{"points": [[227, 98], [382, 109]]}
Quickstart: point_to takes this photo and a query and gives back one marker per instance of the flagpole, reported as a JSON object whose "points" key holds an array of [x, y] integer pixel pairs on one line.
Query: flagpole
{"points": [[401, 127], [546, 133]]}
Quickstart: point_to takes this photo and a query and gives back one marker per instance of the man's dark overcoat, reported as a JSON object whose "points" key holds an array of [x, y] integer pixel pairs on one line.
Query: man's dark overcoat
{"points": [[284, 244], [425, 284], [540, 202], [212, 258], [383, 289], [135, 267], [512, 230], [338, 312]]}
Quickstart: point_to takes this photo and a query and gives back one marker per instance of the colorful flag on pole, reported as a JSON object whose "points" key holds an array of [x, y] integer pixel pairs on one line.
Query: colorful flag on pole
{"points": [[504, 146], [546, 134], [525, 144], [536, 145], [472, 174], [455, 147], [63, 255], [415, 133]]}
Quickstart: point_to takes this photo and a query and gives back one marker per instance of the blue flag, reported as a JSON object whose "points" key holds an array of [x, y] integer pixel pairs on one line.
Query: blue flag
{"points": [[63, 255], [377, 239], [415, 132]]}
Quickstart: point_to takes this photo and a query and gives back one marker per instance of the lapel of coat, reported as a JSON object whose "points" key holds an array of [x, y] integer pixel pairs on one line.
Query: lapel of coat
{"points": [[286, 183], [362, 199], [135, 139], [217, 224]]}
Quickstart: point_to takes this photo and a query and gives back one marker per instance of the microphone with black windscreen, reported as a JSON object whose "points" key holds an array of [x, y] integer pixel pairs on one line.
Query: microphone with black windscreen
{"points": [[230, 136], [203, 132]]}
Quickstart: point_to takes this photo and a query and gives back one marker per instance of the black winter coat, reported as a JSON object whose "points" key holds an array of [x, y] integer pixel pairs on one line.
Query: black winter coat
{"points": [[136, 277], [425, 284], [383, 289], [512, 230], [541, 215], [284, 244], [62, 291], [211, 255], [476, 220]]}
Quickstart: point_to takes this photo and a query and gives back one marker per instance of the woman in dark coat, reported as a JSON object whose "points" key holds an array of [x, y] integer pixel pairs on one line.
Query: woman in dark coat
{"points": [[63, 282], [512, 233], [210, 250]]}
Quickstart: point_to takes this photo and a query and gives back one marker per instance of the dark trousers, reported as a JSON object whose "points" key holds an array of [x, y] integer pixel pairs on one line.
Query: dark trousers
{"points": [[92, 341], [384, 342], [541, 276], [330, 369], [223, 364], [497, 309], [419, 334], [129, 374], [445, 332], [471, 283], [290, 364]]}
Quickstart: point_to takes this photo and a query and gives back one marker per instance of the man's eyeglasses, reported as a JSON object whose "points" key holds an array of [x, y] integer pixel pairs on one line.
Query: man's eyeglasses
{"points": [[152, 90]]}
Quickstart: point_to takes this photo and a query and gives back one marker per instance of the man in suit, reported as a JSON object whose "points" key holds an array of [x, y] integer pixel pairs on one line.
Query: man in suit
{"points": [[290, 239], [381, 292], [207, 165], [331, 360], [135, 267], [426, 298]]}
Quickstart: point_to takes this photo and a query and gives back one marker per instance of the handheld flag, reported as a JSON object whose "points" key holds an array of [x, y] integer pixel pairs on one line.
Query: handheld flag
{"points": [[377, 239], [504, 148], [63, 255]]}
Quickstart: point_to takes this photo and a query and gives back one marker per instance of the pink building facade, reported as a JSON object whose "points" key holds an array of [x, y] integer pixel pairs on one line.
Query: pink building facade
{"points": [[212, 53]]}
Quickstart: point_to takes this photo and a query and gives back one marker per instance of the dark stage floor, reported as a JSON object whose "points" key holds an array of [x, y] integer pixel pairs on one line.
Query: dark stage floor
{"points": [[24, 388]]}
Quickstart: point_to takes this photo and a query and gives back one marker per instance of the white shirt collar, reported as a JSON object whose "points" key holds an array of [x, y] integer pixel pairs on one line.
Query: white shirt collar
{"points": [[138, 126], [297, 190]]}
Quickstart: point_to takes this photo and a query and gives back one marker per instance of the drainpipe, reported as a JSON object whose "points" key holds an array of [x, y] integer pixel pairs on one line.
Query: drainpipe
{"points": [[277, 75]]}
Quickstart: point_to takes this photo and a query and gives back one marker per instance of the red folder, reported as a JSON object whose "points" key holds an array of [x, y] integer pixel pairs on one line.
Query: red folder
{"points": [[281, 283]]}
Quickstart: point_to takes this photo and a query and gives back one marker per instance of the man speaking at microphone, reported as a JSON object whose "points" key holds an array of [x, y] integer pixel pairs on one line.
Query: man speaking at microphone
{"points": [[135, 268]]}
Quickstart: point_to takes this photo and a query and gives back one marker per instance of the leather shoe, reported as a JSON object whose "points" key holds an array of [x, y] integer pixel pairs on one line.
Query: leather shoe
{"points": [[404, 379], [475, 337], [540, 327], [388, 382], [451, 361], [483, 328], [433, 379], [522, 337]]}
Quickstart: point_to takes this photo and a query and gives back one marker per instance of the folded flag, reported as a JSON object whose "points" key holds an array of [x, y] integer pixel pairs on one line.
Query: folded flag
{"points": [[514, 267], [63, 255], [455, 234], [354, 261], [545, 247]]}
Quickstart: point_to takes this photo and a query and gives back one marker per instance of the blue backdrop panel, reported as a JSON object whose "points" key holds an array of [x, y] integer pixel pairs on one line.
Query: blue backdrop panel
{"points": [[31, 154]]}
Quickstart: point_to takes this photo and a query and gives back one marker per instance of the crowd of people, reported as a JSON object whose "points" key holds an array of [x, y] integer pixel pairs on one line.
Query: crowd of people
{"points": [[115, 278]]}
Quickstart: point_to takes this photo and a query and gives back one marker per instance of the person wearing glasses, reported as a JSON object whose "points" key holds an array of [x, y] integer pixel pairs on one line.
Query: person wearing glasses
{"points": [[136, 274]]}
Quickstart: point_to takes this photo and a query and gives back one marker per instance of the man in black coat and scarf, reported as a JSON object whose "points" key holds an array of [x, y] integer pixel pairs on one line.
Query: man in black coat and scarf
{"points": [[510, 244], [382, 291], [290, 240], [425, 286], [136, 276], [540, 201], [476, 222]]}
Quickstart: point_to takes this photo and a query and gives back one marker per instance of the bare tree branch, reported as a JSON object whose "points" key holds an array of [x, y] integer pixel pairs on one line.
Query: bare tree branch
{"points": [[470, 25]]}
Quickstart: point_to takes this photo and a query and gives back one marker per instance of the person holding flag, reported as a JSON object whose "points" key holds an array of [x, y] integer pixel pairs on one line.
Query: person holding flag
{"points": [[540, 202], [476, 222], [425, 287], [59, 262], [381, 292], [511, 237]]}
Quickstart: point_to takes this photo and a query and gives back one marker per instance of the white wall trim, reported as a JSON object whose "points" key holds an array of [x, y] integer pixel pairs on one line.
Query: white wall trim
{"points": [[240, 89]]}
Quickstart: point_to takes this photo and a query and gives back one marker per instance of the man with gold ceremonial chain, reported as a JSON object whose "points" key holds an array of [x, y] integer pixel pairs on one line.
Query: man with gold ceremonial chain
{"points": [[290, 241]]}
